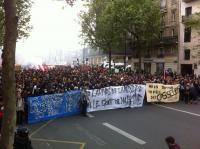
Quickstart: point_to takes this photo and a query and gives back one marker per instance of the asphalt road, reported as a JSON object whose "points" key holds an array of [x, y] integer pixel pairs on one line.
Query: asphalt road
{"points": [[137, 128]]}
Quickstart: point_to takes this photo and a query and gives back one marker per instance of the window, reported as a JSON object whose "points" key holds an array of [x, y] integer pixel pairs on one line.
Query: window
{"points": [[173, 15], [170, 51], [159, 68], [187, 36], [161, 34], [173, 32], [163, 17], [147, 68], [147, 53], [187, 54], [160, 53], [163, 3], [136, 66], [163, 20], [188, 11], [195, 66]]}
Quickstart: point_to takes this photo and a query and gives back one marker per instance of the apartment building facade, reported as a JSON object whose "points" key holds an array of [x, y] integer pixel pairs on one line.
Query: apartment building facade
{"points": [[189, 50], [178, 49], [165, 55], [156, 60]]}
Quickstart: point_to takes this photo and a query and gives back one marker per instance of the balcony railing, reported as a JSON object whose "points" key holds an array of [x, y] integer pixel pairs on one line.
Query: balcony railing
{"points": [[147, 56], [163, 9], [188, 18], [160, 55], [184, 18], [169, 40], [187, 1]]}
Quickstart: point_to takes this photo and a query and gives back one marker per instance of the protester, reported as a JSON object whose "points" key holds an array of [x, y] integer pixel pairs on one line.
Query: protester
{"points": [[194, 92], [21, 140], [20, 108], [171, 143], [187, 93], [182, 90], [65, 78], [1, 115], [83, 103]]}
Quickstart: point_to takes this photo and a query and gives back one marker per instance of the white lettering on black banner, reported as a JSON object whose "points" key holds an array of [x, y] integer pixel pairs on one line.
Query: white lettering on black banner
{"points": [[116, 97]]}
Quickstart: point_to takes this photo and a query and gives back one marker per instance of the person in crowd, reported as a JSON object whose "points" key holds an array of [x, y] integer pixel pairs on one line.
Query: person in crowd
{"points": [[182, 90], [21, 139], [84, 101], [187, 93], [194, 92], [171, 143], [20, 107], [1, 115], [39, 82]]}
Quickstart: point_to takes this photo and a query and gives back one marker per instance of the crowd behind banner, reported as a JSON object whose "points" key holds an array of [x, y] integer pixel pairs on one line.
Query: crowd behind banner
{"points": [[64, 104], [31, 82], [60, 79]]}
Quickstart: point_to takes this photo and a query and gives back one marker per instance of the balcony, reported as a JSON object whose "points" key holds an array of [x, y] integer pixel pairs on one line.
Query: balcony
{"points": [[168, 40], [161, 55], [187, 1], [184, 18], [191, 18], [163, 10], [147, 56]]}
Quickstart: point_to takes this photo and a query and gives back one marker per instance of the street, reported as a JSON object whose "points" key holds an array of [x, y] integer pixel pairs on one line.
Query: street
{"points": [[137, 128]]}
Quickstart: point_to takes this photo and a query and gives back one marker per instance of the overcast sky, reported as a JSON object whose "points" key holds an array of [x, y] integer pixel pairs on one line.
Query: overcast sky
{"points": [[55, 32]]}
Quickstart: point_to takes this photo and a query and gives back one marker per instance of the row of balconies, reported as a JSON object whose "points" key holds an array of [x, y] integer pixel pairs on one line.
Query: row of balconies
{"points": [[169, 40], [157, 55]]}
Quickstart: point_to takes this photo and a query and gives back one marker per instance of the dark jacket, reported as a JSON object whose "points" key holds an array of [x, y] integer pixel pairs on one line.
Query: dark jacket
{"points": [[22, 143], [174, 146]]}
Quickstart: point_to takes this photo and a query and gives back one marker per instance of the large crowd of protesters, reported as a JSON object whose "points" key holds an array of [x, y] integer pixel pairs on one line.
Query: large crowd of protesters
{"points": [[32, 82], [36, 82]]}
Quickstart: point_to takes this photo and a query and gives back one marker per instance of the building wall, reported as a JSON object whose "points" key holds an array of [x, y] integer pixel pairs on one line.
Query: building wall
{"points": [[166, 55], [195, 39], [169, 58], [170, 21]]}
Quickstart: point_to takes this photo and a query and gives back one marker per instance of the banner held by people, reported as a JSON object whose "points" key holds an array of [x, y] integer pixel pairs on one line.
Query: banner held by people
{"points": [[162, 93], [53, 106], [116, 97]]}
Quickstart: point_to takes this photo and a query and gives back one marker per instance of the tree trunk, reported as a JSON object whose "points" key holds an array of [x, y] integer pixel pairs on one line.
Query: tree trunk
{"points": [[140, 52], [124, 51], [140, 60], [110, 55], [8, 75]]}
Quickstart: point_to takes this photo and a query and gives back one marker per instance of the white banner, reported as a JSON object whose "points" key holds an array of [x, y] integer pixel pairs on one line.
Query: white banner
{"points": [[116, 97], [162, 93]]}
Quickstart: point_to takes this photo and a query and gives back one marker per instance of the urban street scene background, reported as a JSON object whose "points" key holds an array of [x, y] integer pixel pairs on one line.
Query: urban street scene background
{"points": [[100, 74]]}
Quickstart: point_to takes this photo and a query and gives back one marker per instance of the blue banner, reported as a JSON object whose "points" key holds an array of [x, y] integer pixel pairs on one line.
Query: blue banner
{"points": [[52, 106]]}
